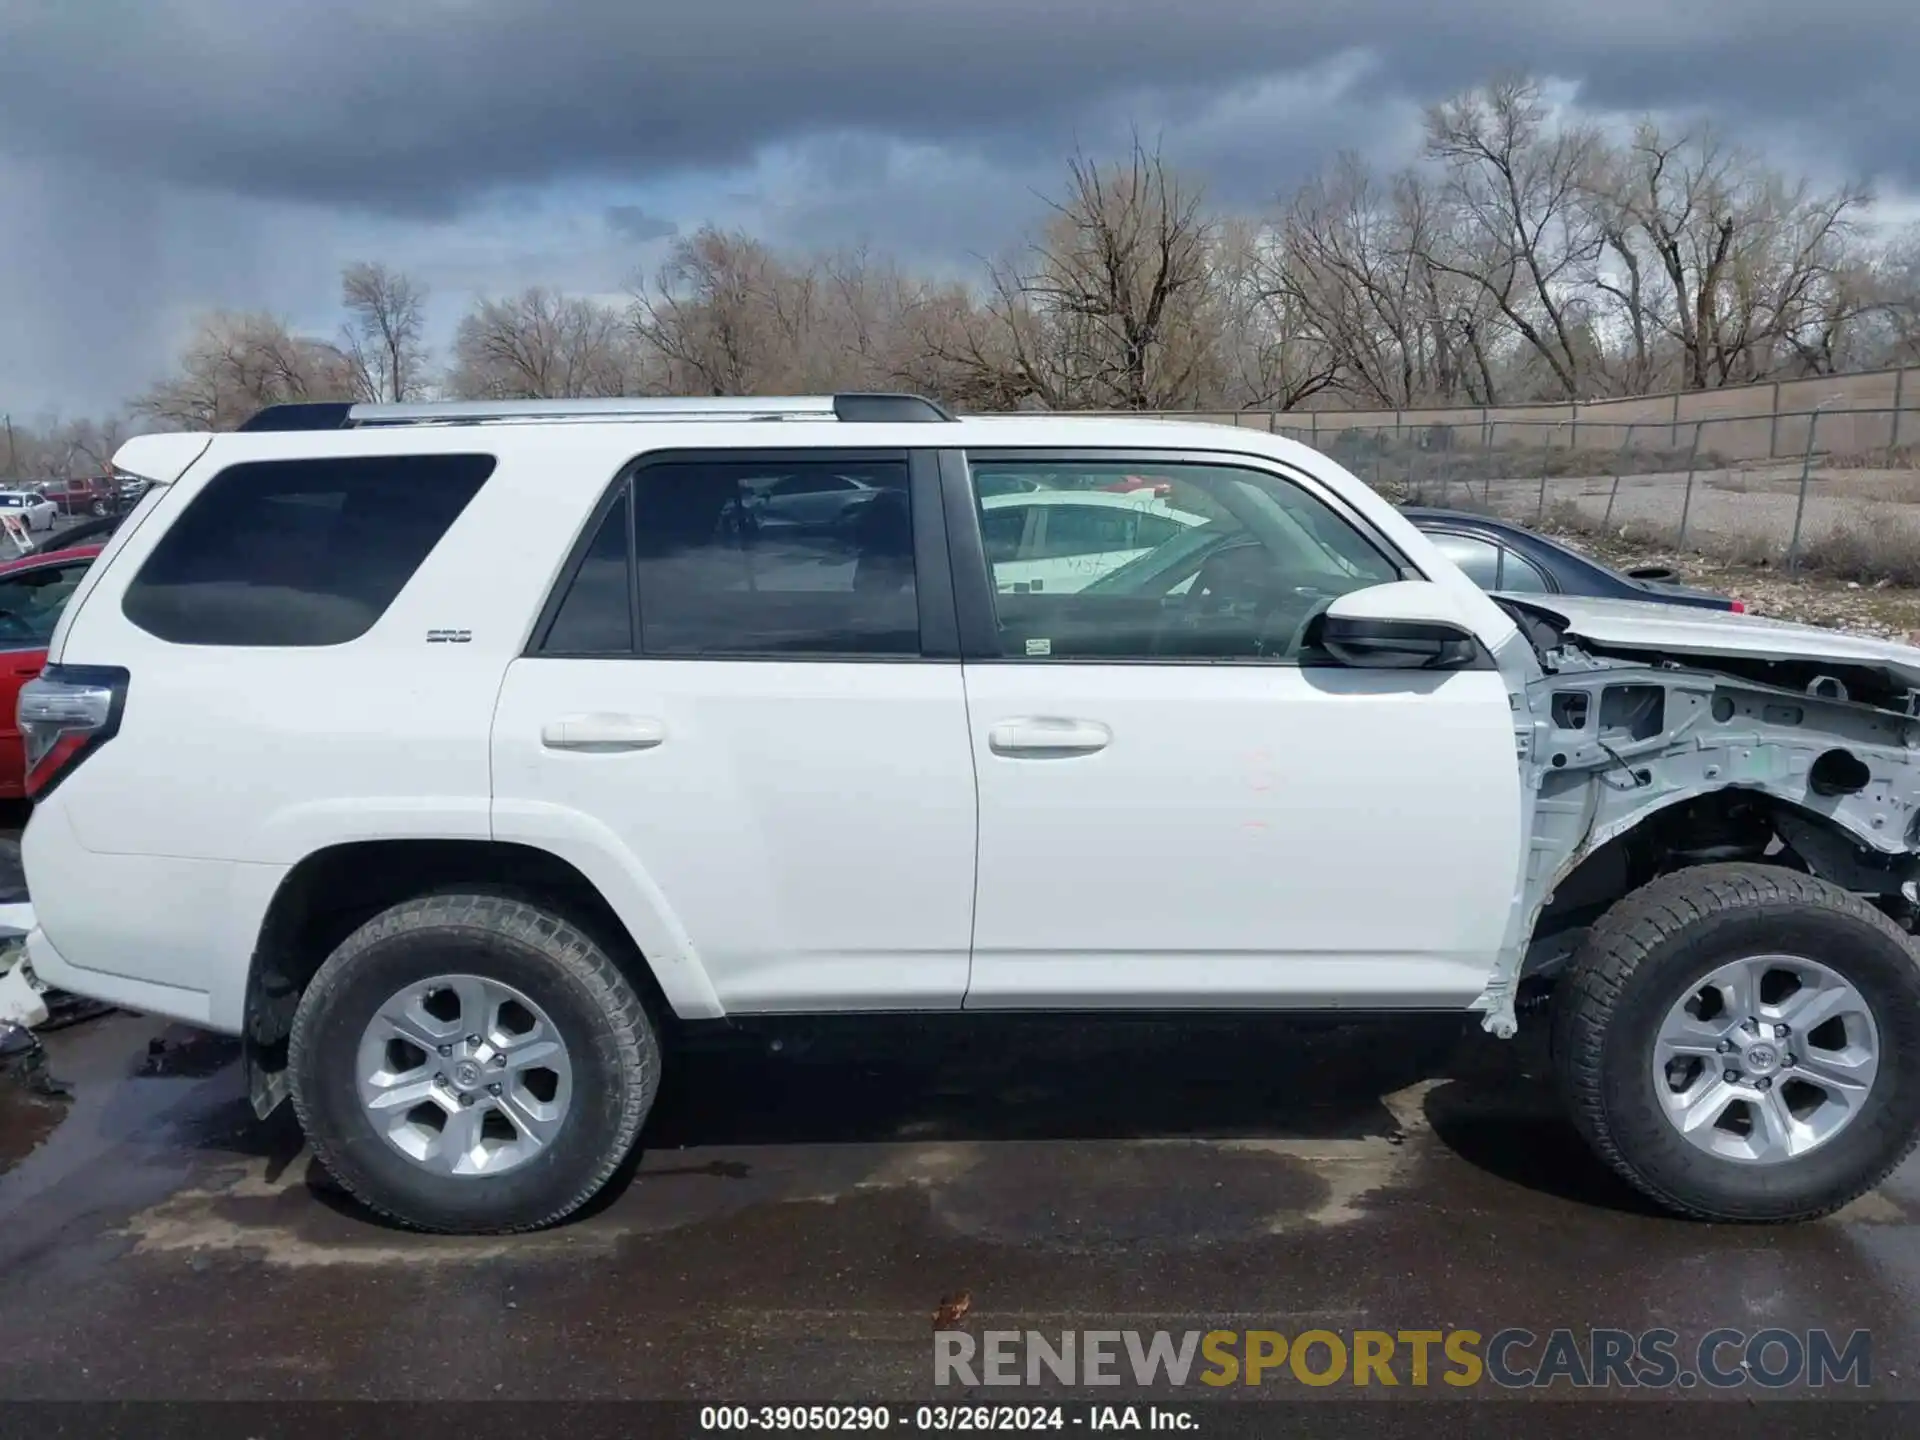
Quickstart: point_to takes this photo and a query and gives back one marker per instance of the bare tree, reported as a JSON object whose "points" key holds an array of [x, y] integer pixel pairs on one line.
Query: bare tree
{"points": [[1274, 356], [1515, 224], [541, 345], [50, 447], [1725, 265], [384, 333], [236, 364], [1113, 306], [726, 316]]}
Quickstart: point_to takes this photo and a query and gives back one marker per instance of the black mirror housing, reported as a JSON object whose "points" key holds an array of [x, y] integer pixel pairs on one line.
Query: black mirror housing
{"points": [[1373, 643]]}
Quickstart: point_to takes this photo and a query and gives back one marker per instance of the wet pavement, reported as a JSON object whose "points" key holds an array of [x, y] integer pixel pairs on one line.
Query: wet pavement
{"points": [[795, 1219]]}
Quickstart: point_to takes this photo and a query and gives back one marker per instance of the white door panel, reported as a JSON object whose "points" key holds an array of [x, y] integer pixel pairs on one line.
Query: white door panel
{"points": [[1242, 834], [811, 823]]}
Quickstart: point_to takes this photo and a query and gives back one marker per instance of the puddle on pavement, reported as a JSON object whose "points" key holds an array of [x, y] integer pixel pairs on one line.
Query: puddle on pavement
{"points": [[26, 1120]]}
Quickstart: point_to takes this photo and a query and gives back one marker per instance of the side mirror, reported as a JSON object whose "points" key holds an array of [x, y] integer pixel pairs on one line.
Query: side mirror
{"points": [[1406, 625], [1652, 572]]}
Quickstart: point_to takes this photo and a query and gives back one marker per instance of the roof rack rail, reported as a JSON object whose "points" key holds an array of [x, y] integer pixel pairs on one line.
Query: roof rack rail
{"points": [[856, 408]]}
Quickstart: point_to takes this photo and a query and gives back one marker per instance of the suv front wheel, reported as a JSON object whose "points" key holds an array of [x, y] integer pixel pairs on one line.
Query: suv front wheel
{"points": [[471, 1064], [1742, 1042]]}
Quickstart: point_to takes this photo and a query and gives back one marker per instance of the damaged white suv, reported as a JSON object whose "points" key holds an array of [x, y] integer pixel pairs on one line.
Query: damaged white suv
{"points": [[457, 755]]}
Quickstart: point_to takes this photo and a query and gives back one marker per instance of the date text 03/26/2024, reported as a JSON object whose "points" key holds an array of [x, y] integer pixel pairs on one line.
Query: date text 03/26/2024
{"points": [[815, 1419]]}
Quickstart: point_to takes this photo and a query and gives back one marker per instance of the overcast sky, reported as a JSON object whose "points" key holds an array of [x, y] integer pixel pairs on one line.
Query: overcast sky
{"points": [[160, 157]]}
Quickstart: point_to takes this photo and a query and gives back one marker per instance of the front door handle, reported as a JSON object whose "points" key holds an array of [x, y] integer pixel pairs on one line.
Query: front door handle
{"points": [[603, 734], [1044, 736]]}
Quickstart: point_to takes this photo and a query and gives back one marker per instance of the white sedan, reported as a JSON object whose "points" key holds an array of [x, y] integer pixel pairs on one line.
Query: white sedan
{"points": [[35, 510], [1061, 541]]}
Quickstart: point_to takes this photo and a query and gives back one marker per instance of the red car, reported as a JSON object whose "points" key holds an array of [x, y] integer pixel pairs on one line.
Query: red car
{"points": [[33, 589], [84, 496]]}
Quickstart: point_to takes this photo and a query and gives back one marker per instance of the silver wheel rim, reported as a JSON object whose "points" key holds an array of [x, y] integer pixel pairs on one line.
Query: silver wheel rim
{"points": [[464, 1075], [1766, 1058]]}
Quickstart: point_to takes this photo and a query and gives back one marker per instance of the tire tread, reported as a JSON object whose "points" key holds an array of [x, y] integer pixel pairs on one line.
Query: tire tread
{"points": [[527, 924], [1614, 949]]}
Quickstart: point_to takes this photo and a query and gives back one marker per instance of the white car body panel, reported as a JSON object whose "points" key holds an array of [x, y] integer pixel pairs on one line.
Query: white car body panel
{"points": [[811, 824], [1229, 844]]}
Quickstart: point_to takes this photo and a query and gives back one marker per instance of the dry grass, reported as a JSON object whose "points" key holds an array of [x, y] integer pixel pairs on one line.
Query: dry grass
{"points": [[1869, 550]]}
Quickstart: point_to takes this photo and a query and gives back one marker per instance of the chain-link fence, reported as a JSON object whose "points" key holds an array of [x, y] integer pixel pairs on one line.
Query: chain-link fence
{"points": [[1846, 502]]}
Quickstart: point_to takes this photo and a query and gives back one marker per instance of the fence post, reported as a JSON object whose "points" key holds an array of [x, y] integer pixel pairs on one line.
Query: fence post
{"points": [[1314, 419], [1773, 425], [1413, 469], [1800, 509], [1673, 429], [1899, 394], [1618, 465], [1487, 433], [1686, 503]]}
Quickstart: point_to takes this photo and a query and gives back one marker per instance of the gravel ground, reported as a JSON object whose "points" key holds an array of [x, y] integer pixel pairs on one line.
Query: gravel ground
{"points": [[1749, 508]]}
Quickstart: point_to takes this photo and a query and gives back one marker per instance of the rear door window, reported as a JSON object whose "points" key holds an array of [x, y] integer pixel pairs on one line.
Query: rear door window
{"points": [[811, 557], [299, 552]]}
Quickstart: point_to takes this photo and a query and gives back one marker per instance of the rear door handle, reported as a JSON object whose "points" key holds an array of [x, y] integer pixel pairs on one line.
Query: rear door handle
{"points": [[603, 734], [1043, 736]]}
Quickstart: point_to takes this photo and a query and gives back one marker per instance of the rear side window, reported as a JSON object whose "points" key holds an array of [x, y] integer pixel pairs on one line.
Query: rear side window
{"points": [[299, 552], [596, 616], [744, 556]]}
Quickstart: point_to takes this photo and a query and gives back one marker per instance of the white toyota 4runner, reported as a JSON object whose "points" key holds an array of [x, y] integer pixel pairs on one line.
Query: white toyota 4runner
{"points": [[454, 755]]}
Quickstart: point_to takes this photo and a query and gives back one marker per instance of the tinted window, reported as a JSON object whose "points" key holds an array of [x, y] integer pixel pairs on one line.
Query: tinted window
{"points": [[723, 572], [31, 601], [1520, 576], [596, 617], [1480, 559], [1236, 562], [299, 552]]}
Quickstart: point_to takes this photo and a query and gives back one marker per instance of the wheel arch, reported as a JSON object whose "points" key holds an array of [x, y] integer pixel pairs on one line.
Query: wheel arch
{"points": [[334, 890], [1733, 823]]}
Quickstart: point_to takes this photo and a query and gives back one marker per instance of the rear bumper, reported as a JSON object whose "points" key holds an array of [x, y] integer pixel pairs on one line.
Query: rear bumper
{"points": [[163, 934], [170, 1001]]}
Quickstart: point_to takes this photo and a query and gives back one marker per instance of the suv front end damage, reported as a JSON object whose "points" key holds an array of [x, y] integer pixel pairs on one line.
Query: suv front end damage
{"points": [[1637, 760]]}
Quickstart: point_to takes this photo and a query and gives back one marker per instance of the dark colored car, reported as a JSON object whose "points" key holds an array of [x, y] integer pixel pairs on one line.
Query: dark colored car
{"points": [[1500, 555]]}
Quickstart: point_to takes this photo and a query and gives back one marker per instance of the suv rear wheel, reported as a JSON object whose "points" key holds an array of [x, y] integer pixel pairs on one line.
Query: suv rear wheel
{"points": [[1743, 1043], [471, 1064]]}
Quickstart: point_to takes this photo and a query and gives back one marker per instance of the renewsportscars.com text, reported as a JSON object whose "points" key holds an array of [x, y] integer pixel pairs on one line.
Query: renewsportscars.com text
{"points": [[1510, 1358]]}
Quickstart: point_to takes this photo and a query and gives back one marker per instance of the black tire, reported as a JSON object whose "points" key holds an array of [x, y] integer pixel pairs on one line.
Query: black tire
{"points": [[1636, 963], [610, 1041]]}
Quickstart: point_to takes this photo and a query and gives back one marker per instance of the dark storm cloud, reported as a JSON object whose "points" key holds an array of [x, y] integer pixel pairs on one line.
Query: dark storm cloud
{"points": [[632, 222], [414, 108]]}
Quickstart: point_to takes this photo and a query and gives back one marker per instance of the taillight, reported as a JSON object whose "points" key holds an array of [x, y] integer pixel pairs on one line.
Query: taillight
{"points": [[66, 714], [1738, 607]]}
